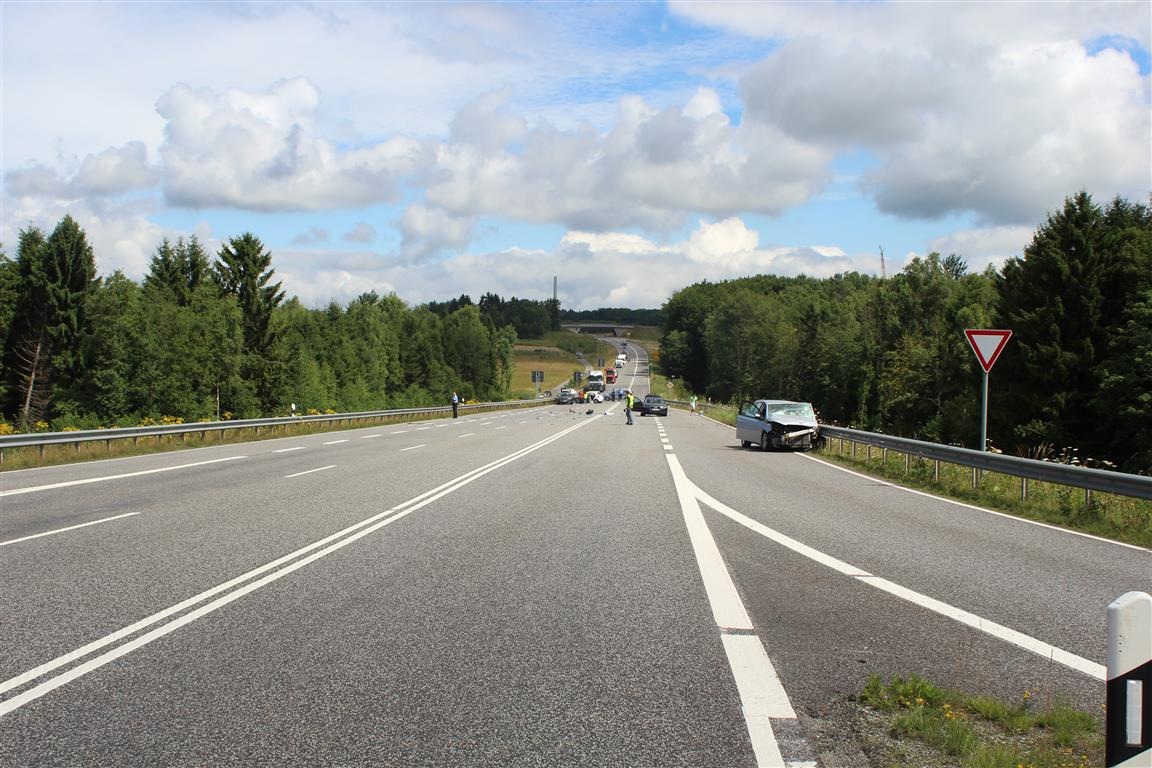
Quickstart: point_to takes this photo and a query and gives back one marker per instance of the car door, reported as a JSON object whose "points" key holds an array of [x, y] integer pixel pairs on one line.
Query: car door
{"points": [[749, 422]]}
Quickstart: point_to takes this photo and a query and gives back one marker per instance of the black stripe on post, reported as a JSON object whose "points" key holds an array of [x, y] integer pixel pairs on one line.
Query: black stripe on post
{"points": [[1117, 749]]}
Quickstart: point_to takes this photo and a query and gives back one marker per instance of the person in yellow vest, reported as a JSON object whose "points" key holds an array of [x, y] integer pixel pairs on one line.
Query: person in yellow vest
{"points": [[629, 403]]}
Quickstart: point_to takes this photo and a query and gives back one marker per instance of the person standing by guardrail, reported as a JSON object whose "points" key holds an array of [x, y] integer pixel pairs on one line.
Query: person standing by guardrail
{"points": [[455, 404]]}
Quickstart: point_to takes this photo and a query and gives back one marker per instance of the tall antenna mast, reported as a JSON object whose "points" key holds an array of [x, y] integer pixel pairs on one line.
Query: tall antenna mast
{"points": [[883, 273]]}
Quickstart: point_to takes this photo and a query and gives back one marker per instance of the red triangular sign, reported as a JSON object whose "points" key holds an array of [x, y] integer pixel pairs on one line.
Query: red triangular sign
{"points": [[987, 345]]}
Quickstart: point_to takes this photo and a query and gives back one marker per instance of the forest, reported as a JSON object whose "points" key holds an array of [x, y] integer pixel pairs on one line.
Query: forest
{"points": [[890, 355], [214, 338]]}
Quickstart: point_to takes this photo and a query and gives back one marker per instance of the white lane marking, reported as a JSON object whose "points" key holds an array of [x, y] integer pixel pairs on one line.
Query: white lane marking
{"points": [[335, 442], [399, 432], [999, 631], [413, 447], [86, 481], [727, 607], [667, 447], [502, 426], [310, 471], [286, 450], [375, 522], [973, 507], [421, 429], [750, 677], [467, 434], [365, 437], [69, 528]]}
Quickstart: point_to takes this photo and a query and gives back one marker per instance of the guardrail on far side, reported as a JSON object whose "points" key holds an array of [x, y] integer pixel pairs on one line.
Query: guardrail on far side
{"points": [[77, 437]]}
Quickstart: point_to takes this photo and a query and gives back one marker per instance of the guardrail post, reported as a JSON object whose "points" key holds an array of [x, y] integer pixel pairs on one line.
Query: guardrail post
{"points": [[1128, 726]]}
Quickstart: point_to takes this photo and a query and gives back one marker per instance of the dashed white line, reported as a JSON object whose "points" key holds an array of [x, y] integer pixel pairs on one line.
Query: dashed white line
{"points": [[335, 442], [413, 447], [310, 471], [399, 432], [365, 437], [286, 450], [86, 481], [467, 434], [69, 528]]}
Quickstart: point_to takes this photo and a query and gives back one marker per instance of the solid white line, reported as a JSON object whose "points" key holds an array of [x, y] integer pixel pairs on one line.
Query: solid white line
{"points": [[34, 489], [412, 448], [756, 681], [376, 522], [727, 607], [335, 442], [69, 528], [310, 471], [286, 450], [1005, 515], [999, 631]]}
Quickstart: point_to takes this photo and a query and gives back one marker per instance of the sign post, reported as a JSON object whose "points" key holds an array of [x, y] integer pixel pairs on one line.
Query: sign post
{"points": [[987, 344]]}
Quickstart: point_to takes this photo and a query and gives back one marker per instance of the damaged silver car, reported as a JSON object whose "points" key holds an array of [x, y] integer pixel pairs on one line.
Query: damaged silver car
{"points": [[777, 424]]}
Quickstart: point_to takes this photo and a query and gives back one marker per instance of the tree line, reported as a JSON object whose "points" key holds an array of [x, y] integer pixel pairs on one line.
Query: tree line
{"points": [[890, 355], [204, 338]]}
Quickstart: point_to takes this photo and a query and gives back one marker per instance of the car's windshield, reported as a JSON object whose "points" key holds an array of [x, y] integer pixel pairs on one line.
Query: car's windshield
{"points": [[793, 410]]}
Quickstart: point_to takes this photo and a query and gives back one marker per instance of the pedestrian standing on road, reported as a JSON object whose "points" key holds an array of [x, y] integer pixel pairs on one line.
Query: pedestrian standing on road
{"points": [[455, 404], [693, 402], [628, 403]]}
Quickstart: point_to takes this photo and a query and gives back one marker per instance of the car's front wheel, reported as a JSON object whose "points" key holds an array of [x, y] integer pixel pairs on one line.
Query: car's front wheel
{"points": [[764, 441]]}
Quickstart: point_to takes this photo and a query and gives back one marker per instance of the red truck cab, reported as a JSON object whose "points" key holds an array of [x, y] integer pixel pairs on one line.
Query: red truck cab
{"points": [[610, 375]]}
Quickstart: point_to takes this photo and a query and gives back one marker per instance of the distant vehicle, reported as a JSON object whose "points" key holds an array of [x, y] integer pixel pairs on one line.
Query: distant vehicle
{"points": [[775, 425], [567, 396], [595, 381], [653, 405], [610, 375]]}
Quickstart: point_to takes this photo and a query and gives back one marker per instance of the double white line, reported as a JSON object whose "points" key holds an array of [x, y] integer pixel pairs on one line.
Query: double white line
{"points": [[217, 597]]}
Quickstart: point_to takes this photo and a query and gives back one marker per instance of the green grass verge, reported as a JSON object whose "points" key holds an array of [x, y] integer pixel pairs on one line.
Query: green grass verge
{"points": [[1120, 518], [933, 727]]}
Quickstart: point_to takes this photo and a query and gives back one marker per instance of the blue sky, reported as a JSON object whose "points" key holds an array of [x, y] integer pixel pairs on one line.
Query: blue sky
{"points": [[630, 149]]}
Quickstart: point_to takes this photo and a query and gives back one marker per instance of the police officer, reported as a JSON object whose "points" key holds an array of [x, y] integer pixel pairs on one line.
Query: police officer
{"points": [[629, 402]]}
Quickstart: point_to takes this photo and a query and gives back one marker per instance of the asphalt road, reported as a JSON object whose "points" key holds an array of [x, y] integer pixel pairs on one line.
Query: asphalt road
{"points": [[543, 588]]}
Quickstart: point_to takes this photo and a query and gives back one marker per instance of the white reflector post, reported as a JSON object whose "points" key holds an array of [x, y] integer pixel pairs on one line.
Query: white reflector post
{"points": [[1128, 737]]}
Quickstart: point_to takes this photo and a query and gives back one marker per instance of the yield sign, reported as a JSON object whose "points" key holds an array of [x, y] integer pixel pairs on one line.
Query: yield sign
{"points": [[987, 345]]}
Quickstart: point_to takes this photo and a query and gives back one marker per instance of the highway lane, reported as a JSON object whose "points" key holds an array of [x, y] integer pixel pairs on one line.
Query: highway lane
{"points": [[828, 630], [512, 589], [492, 626]]}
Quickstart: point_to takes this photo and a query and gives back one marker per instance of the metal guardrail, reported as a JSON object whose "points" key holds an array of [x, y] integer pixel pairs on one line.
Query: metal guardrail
{"points": [[1087, 478], [43, 439]]}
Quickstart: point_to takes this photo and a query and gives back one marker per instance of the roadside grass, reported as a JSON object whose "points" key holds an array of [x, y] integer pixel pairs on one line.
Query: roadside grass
{"points": [[1120, 518], [908, 722]]}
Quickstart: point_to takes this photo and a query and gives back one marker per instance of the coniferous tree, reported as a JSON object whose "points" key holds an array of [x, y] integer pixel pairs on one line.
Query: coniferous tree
{"points": [[243, 269]]}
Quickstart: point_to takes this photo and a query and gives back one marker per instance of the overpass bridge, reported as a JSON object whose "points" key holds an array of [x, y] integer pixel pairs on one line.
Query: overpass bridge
{"points": [[599, 329]]}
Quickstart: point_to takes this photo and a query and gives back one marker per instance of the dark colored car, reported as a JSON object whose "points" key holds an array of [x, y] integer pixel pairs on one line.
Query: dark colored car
{"points": [[653, 405], [566, 397]]}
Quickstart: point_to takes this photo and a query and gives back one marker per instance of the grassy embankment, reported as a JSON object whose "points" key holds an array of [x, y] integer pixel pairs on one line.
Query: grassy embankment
{"points": [[905, 723], [556, 355]]}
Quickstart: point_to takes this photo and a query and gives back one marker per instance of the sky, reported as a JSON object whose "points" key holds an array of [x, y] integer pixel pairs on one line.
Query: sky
{"points": [[627, 149]]}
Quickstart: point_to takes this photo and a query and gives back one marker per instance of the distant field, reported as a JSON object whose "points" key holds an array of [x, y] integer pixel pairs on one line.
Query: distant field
{"points": [[556, 364]]}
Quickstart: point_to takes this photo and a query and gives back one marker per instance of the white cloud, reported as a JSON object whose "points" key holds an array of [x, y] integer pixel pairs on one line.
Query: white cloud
{"points": [[259, 151], [313, 236], [430, 231], [1003, 117], [981, 248], [361, 233]]}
